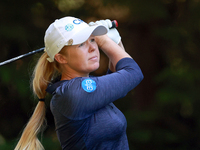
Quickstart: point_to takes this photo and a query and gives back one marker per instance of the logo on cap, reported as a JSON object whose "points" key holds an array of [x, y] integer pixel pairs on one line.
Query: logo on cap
{"points": [[69, 27], [77, 21], [89, 85]]}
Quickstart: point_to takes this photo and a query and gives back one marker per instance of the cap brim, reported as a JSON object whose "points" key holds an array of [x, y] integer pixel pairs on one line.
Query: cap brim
{"points": [[84, 34]]}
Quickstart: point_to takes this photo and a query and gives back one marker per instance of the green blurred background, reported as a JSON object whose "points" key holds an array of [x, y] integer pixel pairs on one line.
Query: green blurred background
{"points": [[163, 36]]}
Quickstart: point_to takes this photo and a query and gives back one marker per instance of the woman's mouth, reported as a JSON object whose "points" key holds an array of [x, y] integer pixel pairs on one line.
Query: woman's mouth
{"points": [[94, 58]]}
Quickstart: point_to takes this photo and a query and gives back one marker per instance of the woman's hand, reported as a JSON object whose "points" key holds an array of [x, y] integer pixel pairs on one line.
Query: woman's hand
{"points": [[112, 32], [110, 46], [102, 40]]}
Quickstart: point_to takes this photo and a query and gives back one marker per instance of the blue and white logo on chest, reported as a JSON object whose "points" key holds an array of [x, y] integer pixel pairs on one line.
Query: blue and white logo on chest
{"points": [[89, 85]]}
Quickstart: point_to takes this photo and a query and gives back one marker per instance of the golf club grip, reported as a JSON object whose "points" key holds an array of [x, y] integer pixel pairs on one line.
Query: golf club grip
{"points": [[114, 25]]}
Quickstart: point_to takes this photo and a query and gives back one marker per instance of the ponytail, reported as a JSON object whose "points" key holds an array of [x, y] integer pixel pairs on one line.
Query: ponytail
{"points": [[42, 75]]}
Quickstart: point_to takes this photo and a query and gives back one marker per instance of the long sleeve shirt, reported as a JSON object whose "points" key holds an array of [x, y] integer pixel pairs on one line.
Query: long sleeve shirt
{"points": [[84, 113]]}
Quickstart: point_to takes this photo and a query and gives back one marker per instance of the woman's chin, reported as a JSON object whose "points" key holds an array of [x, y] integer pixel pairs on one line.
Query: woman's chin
{"points": [[94, 67]]}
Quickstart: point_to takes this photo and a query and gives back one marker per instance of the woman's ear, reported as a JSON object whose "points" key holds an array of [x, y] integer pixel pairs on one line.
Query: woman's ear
{"points": [[60, 58]]}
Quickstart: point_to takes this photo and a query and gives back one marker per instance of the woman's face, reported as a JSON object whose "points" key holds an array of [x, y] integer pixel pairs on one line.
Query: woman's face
{"points": [[83, 58]]}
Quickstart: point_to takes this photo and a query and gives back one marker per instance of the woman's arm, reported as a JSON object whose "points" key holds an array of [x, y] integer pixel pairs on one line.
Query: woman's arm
{"points": [[107, 46], [75, 101], [112, 50], [110, 66]]}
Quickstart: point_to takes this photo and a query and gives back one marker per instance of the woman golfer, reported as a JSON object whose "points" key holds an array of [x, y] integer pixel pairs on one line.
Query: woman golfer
{"points": [[82, 105]]}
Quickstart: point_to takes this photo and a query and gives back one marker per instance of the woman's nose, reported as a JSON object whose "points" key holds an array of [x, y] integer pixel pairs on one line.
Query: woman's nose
{"points": [[91, 47]]}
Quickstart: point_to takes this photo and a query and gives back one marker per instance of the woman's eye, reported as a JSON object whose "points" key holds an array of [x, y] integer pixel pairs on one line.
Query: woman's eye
{"points": [[81, 44], [92, 40]]}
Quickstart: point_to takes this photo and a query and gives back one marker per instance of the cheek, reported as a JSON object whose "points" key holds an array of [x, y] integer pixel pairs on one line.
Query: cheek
{"points": [[80, 60], [98, 53]]}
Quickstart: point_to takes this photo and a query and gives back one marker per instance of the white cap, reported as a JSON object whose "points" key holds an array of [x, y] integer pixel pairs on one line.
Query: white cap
{"points": [[68, 31]]}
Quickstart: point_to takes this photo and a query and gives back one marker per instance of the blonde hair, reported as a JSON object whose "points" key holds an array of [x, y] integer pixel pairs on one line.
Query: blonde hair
{"points": [[42, 75]]}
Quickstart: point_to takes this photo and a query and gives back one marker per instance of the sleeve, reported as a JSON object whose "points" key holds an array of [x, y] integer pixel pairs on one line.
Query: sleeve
{"points": [[81, 97]]}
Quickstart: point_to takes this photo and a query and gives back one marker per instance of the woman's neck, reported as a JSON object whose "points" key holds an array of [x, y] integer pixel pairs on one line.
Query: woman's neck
{"points": [[69, 76]]}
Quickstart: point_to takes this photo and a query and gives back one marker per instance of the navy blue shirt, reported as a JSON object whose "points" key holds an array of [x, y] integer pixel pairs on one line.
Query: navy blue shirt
{"points": [[84, 113]]}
